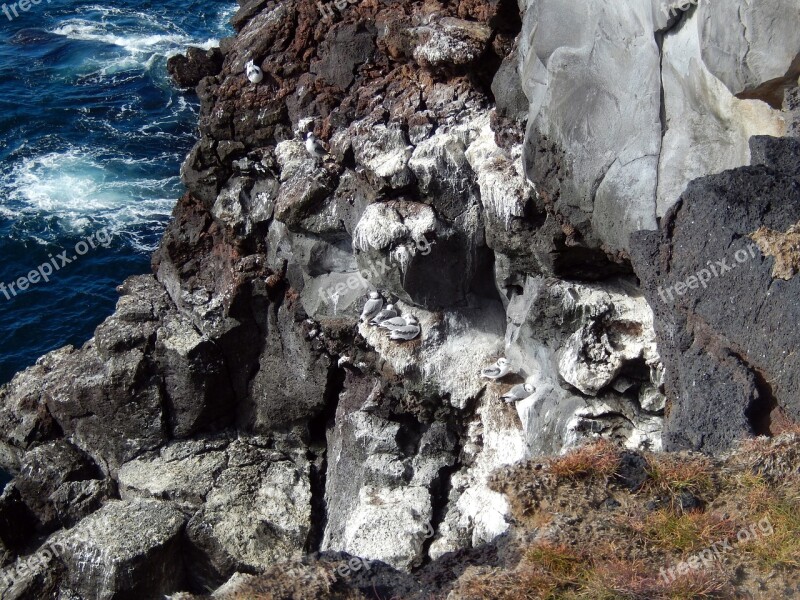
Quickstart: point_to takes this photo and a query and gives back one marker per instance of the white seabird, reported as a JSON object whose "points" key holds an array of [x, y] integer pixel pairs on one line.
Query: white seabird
{"points": [[393, 323], [314, 146], [254, 73], [372, 306], [387, 313], [518, 392], [406, 332], [498, 370]]}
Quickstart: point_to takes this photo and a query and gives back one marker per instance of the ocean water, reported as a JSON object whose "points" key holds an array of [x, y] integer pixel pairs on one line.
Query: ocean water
{"points": [[92, 135]]}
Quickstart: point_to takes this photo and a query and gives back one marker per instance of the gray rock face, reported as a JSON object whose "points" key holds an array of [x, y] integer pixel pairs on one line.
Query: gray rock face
{"points": [[402, 245], [741, 47], [195, 376], [379, 476], [243, 414], [292, 379], [16, 523], [257, 513], [450, 42], [721, 317], [44, 482], [33, 576], [599, 357], [620, 121], [583, 85], [187, 70], [125, 550]]}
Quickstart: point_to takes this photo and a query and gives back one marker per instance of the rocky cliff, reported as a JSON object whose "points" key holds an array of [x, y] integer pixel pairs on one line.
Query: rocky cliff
{"points": [[528, 181]]}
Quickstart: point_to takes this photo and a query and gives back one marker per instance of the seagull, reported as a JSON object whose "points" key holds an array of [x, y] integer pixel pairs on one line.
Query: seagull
{"points": [[314, 146], [393, 323], [406, 332], [372, 306], [498, 370], [254, 73], [518, 392], [387, 313]]}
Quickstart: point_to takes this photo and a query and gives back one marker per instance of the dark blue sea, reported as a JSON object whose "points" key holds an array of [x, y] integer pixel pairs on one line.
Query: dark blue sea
{"points": [[92, 135]]}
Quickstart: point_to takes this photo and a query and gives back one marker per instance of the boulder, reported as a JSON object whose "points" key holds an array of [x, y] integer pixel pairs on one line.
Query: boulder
{"points": [[188, 69], [126, 550], [720, 313], [46, 470], [257, 513]]}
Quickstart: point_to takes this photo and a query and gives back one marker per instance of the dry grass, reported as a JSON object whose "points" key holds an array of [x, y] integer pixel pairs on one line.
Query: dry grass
{"points": [[681, 533], [596, 460], [556, 572], [673, 474], [775, 513], [616, 579], [776, 460], [758, 484]]}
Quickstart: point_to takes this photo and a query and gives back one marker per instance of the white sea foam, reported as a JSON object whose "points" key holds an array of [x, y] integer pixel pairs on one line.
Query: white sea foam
{"points": [[80, 185], [145, 37]]}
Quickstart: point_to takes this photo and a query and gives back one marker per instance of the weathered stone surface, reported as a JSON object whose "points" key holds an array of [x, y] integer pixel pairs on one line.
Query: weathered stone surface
{"points": [[258, 512], [43, 471], [188, 69], [370, 467], [349, 46], [755, 53], [604, 153], [600, 341], [402, 245], [16, 523], [707, 128], [183, 472], [196, 379], [24, 417], [720, 315], [450, 42], [32, 576], [384, 152], [125, 550], [292, 377], [593, 136]]}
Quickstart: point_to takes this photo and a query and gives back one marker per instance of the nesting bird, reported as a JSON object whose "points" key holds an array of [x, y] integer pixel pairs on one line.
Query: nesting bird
{"points": [[315, 146], [387, 313], [518, 392], [408, 331], [372, 306], [254, 73], [392, 323], [498, 370]]}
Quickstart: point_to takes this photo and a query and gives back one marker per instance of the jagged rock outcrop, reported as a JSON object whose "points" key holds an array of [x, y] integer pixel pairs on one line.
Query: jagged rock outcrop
{"points": [[235, 411], [721, 314], [614, 135]]}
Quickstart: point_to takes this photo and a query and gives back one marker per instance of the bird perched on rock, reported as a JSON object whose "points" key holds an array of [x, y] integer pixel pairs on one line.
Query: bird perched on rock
{"points": [[518, 392], [406, 332], [498, 370], [315, 147], [254, 73], [372, 306], [387, 313], [393, 323]]}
